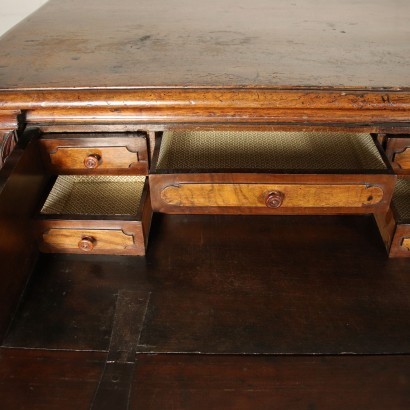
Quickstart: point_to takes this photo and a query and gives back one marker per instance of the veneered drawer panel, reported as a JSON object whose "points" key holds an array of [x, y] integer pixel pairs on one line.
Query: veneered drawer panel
{"points": [[70, 237], [270, 193], [406, 243], [94, 154], [398, 153]]}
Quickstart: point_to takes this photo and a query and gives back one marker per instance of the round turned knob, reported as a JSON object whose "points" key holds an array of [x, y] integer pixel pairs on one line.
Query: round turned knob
{"points": [[92, 161], [87, 243], [274, 199]]}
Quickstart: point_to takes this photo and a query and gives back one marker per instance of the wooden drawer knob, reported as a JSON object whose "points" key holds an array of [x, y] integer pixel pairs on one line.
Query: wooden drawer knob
{"points": [[87, 243], [274, 199], [92, 161]]}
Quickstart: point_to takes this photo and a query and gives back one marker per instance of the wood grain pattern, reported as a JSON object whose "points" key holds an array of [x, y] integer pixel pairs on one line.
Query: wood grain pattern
{"points": [[194, 114], [114, 237], [115, 240], [120, 153], [398, 153], [234, 43], [406, 243], [254, 195], [402, 159], [112, 157], [206, 105], [386, 222], [246, 193], [400, 245]]}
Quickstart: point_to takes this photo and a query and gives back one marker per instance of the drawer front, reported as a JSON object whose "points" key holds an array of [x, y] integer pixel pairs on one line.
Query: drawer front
{"points": [[91, 237], [402, 159], [110, 155], [406, 244], [398, 152], [400, 245], [271, 195], [88, 241], [284, 194]]}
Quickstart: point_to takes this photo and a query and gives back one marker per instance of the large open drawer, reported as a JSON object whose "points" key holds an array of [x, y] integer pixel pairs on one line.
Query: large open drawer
{"points": [[270, 173]]}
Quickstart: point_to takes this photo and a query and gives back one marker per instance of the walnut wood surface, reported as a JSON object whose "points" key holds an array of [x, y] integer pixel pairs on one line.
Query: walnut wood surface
{"points": [[402, 159], [114, 237], [232, 61], [74, 158], [309, 43], [398, 153], [119, 154], [255, 195], [400, 245], [246, 193], [111, 240]]}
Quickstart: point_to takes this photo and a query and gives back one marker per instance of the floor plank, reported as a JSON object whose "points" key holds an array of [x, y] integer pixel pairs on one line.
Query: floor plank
{"points": [[186, 382], [38, 379]]}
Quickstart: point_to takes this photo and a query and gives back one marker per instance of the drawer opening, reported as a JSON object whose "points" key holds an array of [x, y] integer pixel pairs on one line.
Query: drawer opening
{"points": [[95, 195], [250, 151]]}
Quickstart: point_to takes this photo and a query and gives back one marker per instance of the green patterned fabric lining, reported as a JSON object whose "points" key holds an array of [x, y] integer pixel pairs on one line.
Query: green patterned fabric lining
{"points": [[95, 195], [268, 150], [401, 198]]}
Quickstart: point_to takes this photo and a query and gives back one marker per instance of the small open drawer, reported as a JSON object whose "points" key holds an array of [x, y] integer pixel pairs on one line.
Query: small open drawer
{"points": [[395, 224], [95, 215], [270, 172], [95, 154]]}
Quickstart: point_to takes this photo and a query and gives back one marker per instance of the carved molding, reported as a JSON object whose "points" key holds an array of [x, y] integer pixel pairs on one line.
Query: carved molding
{"points": [[7, 144], [8, 133]]}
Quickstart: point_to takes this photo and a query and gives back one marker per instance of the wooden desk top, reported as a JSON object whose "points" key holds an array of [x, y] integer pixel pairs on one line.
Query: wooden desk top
{"points": [[190, 61], [231, 43]]}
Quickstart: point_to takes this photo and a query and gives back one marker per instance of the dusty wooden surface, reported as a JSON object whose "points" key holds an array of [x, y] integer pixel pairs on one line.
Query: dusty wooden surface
{"points": [[102, 43]]}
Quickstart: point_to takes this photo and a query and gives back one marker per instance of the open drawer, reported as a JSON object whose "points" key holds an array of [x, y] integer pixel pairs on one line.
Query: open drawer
{"points": [[95, 215], [270, 173], [394, 225]]}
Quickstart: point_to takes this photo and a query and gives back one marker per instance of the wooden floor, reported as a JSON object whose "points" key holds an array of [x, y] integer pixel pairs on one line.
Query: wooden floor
{"points": [[224, 312]]}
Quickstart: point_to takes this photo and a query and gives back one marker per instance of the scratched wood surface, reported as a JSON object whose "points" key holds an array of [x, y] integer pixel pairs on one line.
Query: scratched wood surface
{"points": [[102, 43]]}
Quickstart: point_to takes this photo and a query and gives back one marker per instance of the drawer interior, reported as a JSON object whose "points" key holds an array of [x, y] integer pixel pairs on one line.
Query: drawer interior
{"points": [[95, 195], [250, 150]]}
